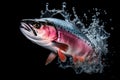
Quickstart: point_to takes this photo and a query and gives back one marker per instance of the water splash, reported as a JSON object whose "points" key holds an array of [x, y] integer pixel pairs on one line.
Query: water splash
{"points": [[94, 31]]}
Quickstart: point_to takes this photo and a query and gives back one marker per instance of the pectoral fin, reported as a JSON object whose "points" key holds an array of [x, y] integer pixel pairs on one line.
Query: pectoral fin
{"points": [[61, 56], [61, 46], [50, 58]]}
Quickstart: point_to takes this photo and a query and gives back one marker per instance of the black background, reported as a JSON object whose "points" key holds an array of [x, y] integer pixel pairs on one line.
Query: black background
{"points": [[27, 61]]}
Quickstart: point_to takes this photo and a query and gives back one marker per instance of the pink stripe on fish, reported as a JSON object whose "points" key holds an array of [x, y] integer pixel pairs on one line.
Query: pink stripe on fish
{"points": [[77, 46]]}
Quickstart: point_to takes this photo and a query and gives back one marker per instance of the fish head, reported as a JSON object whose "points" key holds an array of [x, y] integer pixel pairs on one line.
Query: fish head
{"points": [[38, 30]]}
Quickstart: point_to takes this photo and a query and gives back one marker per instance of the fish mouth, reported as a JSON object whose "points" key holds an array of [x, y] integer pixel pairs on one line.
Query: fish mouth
{"points": [[25, 26], [28, 28]]}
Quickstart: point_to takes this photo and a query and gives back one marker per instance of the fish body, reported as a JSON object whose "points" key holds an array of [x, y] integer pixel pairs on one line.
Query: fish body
{"points": [[59, 36]]}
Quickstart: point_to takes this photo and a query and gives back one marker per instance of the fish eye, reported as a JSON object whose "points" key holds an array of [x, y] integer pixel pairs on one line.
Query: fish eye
{"points": [[37, 25]]}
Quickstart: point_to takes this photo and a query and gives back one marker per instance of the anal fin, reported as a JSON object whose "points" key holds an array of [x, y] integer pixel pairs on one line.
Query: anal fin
{"points": [[50, 58], [81, 59], [78, 59], [75, 59]]}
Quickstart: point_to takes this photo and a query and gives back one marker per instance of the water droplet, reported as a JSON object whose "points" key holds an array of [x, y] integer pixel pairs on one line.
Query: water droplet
{"points": [[112, 28]]}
